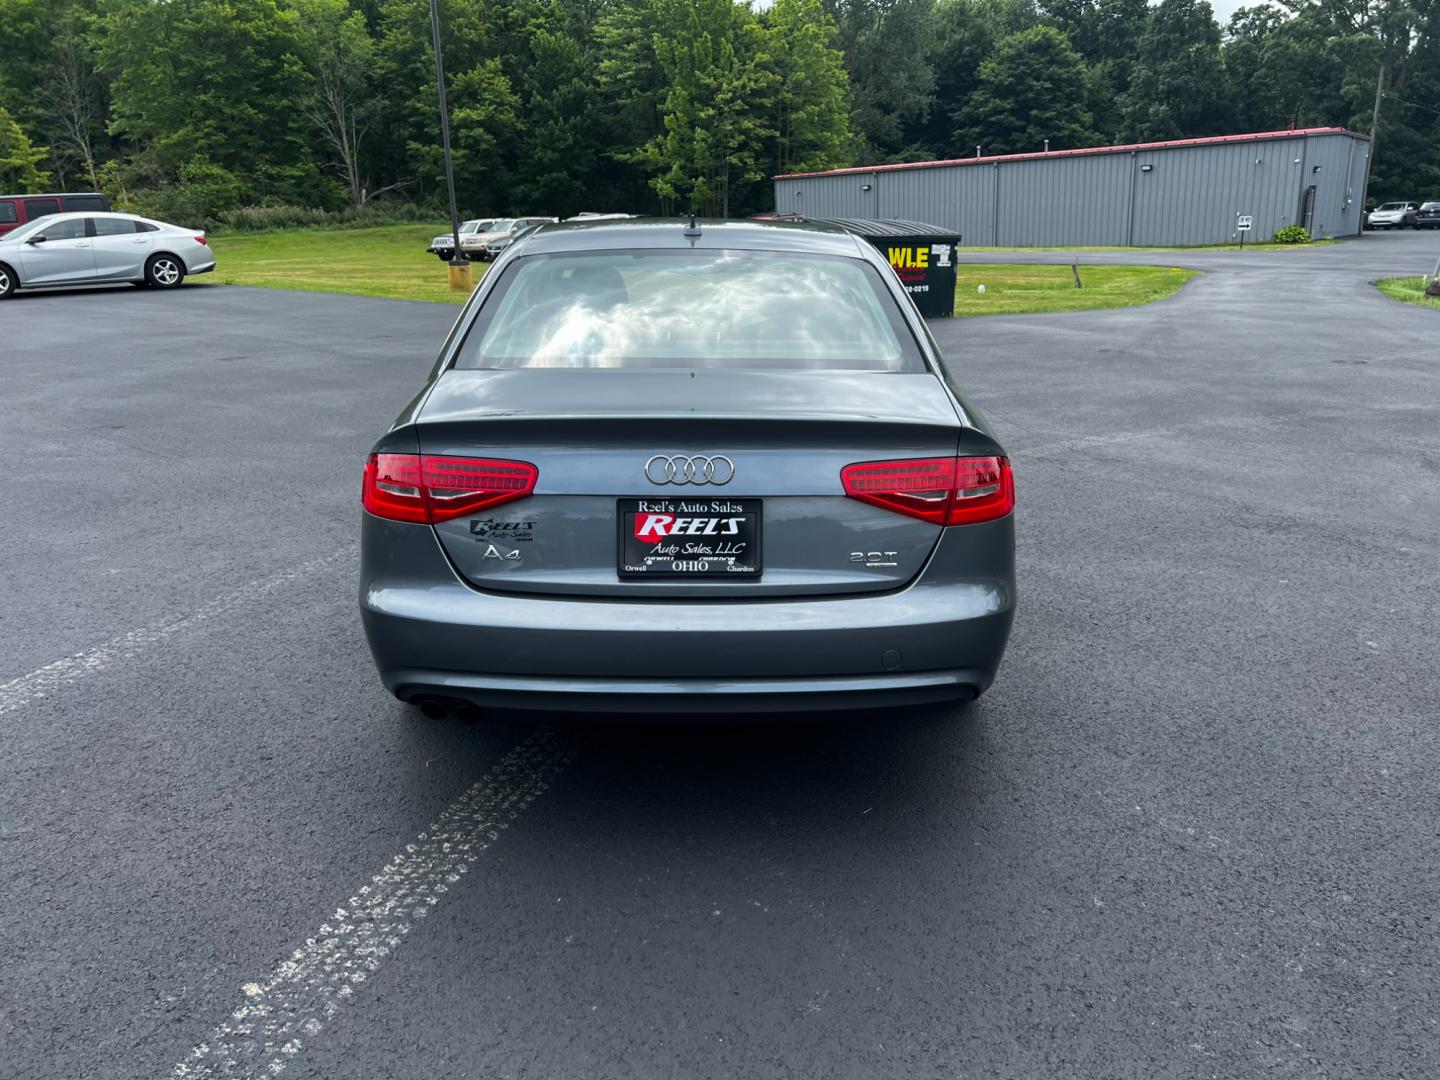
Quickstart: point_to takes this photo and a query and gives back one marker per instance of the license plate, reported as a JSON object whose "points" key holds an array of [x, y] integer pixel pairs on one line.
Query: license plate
{"points": [[689, 538]]}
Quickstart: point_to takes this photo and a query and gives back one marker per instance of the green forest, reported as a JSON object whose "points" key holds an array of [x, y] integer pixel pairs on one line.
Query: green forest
{"points": [[195, 110]]}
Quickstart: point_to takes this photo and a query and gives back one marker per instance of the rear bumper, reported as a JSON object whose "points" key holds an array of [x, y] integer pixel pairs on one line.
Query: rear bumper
{"points": [[940, 638], [690, 695]]}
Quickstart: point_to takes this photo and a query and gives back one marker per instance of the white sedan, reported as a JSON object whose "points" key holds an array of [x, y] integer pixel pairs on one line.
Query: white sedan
{"points": [[93, 248]]}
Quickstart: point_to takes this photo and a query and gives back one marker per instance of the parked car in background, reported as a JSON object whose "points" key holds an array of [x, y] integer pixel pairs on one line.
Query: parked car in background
{"points": [[500, 236], [17, 210], [444, 246], [1428, 216], [90, 249], [1393, 215]]}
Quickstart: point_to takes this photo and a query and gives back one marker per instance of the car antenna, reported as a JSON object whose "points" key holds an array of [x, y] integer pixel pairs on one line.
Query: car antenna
{"points": [[692, 229]]}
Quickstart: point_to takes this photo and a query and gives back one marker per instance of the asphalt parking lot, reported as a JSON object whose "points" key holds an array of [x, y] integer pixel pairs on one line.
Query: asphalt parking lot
{"points": [[1190, 832]]}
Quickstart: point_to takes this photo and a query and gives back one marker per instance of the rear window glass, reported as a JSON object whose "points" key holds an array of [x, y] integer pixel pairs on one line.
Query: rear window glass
{"points": [[109, 226], [691, 309], [85, 202], [7, 213], [37, 208]]}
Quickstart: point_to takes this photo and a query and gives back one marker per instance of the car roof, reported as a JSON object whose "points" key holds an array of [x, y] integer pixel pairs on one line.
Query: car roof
{"points": [[66, 215], [54, 195], [72, 215], [670, 233]]}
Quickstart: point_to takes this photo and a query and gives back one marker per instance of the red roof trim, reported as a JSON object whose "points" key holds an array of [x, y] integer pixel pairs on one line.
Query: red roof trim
{"points": [[1210, 140]]}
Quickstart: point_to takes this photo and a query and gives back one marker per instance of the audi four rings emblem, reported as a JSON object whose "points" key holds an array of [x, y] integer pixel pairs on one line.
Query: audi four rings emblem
{"points": [[689, 470]]}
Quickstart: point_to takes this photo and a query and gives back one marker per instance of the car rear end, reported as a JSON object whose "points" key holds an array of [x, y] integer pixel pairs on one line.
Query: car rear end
{"points": [[707, 479], [191, 245], [1428, 216]]}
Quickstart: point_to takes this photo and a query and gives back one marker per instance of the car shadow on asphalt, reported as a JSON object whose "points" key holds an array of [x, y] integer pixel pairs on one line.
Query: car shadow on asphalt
{"points": [[814, 772], [102, 289]]}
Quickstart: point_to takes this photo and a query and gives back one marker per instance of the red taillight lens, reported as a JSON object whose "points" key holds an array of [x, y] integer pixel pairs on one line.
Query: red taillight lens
{"points": [[429, 489], [200, 239], [392, 488], [942, 491], [458, 486]]}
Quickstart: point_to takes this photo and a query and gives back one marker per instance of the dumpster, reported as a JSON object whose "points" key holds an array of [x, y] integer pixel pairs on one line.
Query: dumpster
{"points": [[923, 257]]}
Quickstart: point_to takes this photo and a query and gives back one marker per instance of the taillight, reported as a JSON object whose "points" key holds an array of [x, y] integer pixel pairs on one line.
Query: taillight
{"points": [[200, 239], [429, 489], [942, 491]]}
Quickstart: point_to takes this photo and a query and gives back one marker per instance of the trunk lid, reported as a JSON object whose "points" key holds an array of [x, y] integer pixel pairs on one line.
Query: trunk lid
{"points": [[783, 438]]}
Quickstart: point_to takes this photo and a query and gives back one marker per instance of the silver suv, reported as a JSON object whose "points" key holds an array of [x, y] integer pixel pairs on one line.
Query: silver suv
{"points": [[443, 247], [501, 234], [1393, 215]]}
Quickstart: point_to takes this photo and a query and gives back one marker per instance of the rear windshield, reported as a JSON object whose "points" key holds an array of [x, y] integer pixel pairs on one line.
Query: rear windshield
{"points": [[37, 208], [691, 309]]}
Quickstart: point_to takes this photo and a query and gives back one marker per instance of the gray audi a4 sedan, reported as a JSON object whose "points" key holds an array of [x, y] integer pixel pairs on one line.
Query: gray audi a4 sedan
{"points": [[717, 467]]}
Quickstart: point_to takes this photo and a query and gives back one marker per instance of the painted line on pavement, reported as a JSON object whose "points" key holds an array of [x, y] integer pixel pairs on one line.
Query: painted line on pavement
{"points": [[45, 681], [292, 1005]]}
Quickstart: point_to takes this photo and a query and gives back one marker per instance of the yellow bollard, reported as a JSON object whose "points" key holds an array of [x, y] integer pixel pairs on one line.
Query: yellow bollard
{"points": [[461, 280]]}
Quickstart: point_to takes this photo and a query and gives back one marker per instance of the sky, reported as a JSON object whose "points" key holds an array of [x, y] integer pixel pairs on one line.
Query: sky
{"points": [[1225, 8]]}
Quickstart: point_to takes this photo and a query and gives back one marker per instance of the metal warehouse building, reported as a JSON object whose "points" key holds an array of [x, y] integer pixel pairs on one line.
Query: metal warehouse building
{"points": [[1193, 191]]}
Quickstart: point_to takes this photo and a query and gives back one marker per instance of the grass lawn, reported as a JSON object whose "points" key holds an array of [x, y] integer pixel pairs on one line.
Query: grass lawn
{"points": [[1015, 289], [389, 260], [1409, 289]]}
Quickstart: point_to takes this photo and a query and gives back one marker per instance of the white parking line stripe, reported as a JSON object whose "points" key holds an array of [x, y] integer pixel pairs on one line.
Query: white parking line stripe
{"points": [[292, 1005], [52, 677]]}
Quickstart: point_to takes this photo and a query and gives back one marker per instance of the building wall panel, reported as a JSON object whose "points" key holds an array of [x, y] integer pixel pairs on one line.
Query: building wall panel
{"points": [[958, 199], [1187, 195], [1076, 201]]}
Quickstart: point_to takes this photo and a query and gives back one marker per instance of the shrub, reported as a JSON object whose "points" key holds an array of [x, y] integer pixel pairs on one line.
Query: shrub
{"points": [[202, 192], [262, 218], [1291, 234]]}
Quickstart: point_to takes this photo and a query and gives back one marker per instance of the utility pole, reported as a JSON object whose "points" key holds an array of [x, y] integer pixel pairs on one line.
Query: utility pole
{"points": [[460, 280], [1374, 135]]}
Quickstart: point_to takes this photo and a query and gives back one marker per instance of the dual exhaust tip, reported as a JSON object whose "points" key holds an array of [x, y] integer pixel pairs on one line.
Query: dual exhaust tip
{"points": [[441, 708]]}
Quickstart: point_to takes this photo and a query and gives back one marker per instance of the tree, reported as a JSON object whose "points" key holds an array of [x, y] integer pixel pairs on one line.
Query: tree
{"points": [[215, 80], [1032, 88], [1282, 71], [71, 98], [887, 46], [715, 111], [966, 32], [335, 46], [484, 106], [812, 101], [559, 145], [1398, 41], [1178, 87], [19, 160]]}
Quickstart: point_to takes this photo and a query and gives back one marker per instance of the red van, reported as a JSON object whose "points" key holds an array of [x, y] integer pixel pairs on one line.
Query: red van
{"points": [[16, 210]]}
